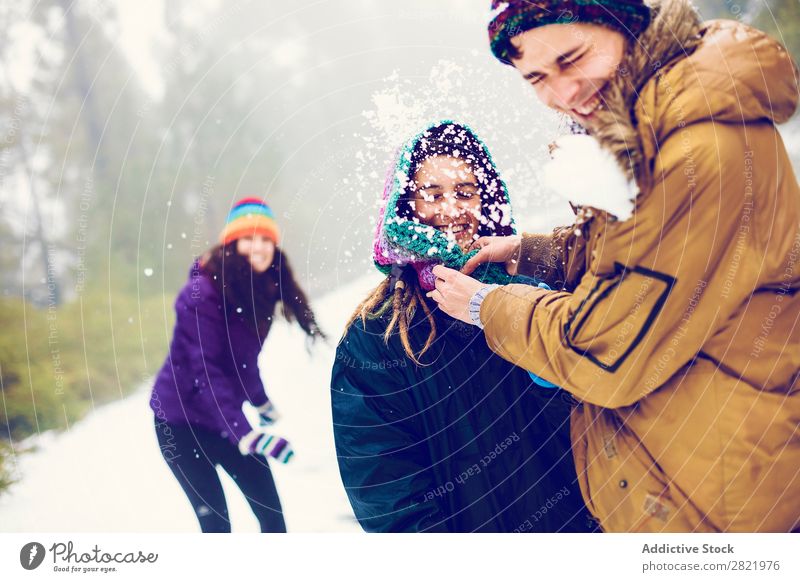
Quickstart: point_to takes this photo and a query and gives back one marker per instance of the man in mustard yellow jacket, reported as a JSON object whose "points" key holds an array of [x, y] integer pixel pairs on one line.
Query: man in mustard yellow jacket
{"points": [[675, 322]]}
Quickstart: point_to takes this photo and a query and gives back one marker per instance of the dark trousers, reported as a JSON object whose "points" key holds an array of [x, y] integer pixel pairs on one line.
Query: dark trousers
{"points": [[192, 454]]}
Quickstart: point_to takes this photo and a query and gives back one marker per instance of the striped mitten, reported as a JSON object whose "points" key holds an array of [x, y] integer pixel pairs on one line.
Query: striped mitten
{"points": [[268, 445]]}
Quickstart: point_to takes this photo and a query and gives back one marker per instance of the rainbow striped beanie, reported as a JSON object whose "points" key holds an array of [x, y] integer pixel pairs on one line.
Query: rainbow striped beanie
{"points": [[248, 217], [510, 18]]}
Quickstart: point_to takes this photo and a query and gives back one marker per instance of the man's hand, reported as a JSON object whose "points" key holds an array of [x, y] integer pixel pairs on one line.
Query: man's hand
{"points": [[495, 249], [453, 292]]}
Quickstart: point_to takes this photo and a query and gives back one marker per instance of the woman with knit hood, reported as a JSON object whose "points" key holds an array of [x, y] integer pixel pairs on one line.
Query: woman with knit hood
{"points": [[674, 322], [433, 432], [223, 315]]}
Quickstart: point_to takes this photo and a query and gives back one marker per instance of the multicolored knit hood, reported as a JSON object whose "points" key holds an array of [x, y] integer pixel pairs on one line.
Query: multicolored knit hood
{"points": [[510, 18], [401, 239], [248, 217]]}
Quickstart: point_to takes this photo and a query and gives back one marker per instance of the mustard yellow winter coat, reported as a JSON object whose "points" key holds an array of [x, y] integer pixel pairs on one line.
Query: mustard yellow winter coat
{"points": [[678, 329]]}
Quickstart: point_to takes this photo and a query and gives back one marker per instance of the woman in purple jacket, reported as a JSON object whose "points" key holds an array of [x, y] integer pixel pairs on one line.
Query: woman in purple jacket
{"points": [[223, 315]]}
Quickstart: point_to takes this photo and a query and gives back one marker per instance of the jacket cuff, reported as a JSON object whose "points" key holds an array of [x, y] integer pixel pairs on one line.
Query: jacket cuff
{"points": [[475, 304], [540, 258], [247, 441]]}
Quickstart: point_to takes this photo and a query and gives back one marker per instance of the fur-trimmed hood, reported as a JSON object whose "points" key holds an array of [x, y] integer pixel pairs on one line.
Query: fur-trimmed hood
{"points": [[680, 71]]}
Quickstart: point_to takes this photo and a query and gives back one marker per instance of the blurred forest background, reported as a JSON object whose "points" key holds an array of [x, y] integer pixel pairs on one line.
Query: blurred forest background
{"points": [[130, 126]]}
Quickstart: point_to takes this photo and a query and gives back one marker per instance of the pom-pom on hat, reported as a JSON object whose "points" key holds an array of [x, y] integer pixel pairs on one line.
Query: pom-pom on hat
{"points": [[510, 18], [248, 217]]}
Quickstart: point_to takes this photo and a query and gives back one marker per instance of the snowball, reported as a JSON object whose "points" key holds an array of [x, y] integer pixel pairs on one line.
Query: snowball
{"points": [[587, 175]]}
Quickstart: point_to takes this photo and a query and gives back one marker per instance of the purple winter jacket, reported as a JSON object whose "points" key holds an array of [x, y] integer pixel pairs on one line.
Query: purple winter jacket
{"points": [[212, 366]]}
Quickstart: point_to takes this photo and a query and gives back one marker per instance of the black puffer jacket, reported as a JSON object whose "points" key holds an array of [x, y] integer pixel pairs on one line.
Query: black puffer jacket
{"points": [[465, 443]]}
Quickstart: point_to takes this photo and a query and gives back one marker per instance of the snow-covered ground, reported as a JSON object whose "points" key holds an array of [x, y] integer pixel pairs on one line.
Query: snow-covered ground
{"points": [[106, 473]]}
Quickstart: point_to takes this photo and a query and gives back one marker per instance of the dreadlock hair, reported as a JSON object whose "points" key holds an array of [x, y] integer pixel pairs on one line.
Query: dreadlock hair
{"points": [[400, 294]]}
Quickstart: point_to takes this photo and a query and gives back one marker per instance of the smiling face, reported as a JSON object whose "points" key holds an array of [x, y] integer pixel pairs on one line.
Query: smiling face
{"points": [[446, 196], [259, 251], [569, 65]]}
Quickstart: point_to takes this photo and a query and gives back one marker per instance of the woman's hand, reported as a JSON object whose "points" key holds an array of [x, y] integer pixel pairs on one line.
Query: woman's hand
{"points": [[495, 249], [267, 415], [259, 442]]}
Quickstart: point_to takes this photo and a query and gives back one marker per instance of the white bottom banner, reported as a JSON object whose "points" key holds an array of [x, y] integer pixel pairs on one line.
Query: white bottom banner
{"points": [[382, 558]]}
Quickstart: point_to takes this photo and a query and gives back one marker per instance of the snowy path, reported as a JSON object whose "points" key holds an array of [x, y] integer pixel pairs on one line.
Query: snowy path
{"points": [[106, 475]]}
